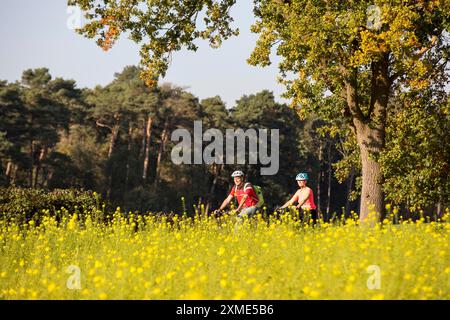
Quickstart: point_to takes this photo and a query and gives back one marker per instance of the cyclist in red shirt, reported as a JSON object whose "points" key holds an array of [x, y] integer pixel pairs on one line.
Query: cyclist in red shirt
{"points": [[245, 194]]}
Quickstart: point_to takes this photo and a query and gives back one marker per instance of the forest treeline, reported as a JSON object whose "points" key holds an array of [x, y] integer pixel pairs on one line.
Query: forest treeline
{"points": [[115, 140]]}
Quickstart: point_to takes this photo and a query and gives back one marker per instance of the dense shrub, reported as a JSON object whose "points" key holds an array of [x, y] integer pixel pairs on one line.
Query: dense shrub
{"points": [[24, 204]]}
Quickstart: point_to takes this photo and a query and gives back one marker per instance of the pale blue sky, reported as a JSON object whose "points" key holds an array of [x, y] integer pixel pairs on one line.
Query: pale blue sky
{"points": [[34, 34]]}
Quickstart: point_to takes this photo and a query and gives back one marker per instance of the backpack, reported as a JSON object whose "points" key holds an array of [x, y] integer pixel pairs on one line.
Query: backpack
{"points": [[259, 194], [258, 191]]}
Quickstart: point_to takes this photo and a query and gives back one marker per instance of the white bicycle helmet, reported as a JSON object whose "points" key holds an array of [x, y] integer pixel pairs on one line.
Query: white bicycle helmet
{"points": [[237, 173]]}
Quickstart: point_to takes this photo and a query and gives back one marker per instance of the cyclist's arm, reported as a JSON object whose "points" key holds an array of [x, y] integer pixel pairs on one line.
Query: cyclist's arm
{"points": [[242, 202], [226, 202], [290, 202]]}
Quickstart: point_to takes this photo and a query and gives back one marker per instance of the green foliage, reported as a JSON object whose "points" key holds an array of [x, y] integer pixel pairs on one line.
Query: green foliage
{"points": [[160, 26], [82, 166], [99, 143], [13, 122], [23, 204], [347, 69], [416, 161], [342, 61]]}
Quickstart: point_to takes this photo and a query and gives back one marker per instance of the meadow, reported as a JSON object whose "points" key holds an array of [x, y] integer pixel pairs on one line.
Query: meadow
{"points": [[207, 257]]}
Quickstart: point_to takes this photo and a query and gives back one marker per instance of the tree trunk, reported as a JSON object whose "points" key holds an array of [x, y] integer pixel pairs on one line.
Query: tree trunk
{"points": [[14, 175], [8, 168], [112, 145], [130, 141], [439, 206], [349, 190], [42, 156], [372, 191], [248, 172], [319, 178], [144, 136], [113, 140], [439, 210], [329, 178], [114, 133], [115, 129], [32, 164], [8, 172], [160, 152], [47, 177], [33, 175], [370, 134], [148, 133], [217, 170]]}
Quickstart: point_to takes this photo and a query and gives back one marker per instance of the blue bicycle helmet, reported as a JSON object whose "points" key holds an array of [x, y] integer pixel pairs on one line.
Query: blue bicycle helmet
{"points": [[302, 176]]}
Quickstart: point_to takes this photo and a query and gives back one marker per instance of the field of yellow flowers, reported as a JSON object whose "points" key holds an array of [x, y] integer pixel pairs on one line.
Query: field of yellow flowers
{"points": [[149, 257]]}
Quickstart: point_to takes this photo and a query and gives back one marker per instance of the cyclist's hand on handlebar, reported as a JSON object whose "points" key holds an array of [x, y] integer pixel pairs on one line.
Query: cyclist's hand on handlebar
{"points": [[280, 209]]}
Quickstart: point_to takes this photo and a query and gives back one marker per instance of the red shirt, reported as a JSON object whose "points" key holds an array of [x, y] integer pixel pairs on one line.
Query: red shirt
{"points": [[309, 203], [252, 199]]}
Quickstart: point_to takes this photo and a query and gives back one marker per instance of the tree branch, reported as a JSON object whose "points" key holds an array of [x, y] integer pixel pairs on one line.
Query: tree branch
{"points": [[352, 100], [98, 123], [424, 50]]}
